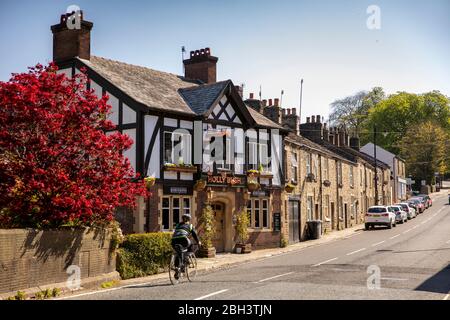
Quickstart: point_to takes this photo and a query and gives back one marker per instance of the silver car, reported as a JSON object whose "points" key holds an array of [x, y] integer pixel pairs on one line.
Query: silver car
{"points": [[410, 211], [400, 215]]}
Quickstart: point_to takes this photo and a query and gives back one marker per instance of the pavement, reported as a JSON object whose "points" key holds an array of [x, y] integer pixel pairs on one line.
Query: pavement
{"points": [[411, 261]]}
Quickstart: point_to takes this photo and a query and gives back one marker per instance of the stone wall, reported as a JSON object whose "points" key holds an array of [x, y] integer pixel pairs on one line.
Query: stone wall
{"points": [[33, 258]]}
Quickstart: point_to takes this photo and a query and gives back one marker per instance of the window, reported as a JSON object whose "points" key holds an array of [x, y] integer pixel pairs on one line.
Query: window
{"points": [[264, 156], [228, 155], [310, 208], [308, 163], [352, 206], [252, 155], [351, 177], [325, 169], [180, 143], [173, 207], [294, 167], [326, 205], [360, 177], [339, 172], [316, 166], [258, 210]]}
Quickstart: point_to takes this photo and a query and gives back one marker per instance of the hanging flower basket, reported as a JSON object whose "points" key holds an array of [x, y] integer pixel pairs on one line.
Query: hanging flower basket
{"points": [[327, 183], [253, 173], [252, 185], [289, 188], [200, 185], [149, 182]]}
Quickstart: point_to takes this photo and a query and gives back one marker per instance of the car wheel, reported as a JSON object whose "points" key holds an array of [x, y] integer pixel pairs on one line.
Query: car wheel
{"points": [[390, 225], [367, 226]]}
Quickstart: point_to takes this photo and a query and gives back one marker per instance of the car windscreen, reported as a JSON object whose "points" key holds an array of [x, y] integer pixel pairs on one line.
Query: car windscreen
{"points": [[396, 209], [377, 210]]}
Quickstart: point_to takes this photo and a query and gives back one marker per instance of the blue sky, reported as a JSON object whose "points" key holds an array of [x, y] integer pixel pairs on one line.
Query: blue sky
{"points": [[269, 43]]}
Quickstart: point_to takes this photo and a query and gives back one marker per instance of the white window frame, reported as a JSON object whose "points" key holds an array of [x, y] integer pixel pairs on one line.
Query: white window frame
{"points": [[182, 209], [309, 208], [186, 146], [294, 166], [308, 163]]}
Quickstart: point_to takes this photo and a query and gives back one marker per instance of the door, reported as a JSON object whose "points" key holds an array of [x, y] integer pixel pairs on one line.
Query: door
{"points": [[218, 240], [345, 216], [333, 226], [294, 221]]}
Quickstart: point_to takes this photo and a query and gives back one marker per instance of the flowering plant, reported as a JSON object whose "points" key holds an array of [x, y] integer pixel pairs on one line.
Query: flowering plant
{"points": [[57, 165]]}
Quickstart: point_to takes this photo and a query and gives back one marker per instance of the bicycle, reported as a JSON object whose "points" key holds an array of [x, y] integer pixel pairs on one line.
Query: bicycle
{"points": [[186, 266]]}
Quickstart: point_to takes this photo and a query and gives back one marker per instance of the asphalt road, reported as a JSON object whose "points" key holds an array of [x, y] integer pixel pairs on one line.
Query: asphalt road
{"points": [[413, 261]]}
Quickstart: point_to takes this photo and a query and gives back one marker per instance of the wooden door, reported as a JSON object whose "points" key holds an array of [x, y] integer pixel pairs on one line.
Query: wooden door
{"points": [[219, 214]]}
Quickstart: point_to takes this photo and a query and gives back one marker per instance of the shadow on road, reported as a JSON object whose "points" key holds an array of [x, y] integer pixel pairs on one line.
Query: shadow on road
{"points": [[137, 286], [407, 251], [439, 283]]}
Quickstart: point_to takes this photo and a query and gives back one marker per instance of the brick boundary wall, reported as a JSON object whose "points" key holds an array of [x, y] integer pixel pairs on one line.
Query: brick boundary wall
{"points": [[35, 258]]}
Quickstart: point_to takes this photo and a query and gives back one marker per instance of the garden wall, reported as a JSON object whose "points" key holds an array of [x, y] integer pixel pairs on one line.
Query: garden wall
{"points": [[33, 258]]}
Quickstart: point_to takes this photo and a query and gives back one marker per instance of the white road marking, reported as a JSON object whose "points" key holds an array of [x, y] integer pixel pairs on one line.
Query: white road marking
{"points": [[316, 265], [211, 294], [375, 244], [394, 236], [407, 231], [89, 293], [415, 226], [394, 279], [448, 241], [274, 277], [356, 251]]}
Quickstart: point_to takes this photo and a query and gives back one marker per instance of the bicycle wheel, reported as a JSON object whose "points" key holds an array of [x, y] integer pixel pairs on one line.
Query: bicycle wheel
{"points": [[191, 267], [172, 270]]}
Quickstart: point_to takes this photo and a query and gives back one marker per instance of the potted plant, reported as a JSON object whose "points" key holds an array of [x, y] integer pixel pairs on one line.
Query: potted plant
{"points": [[252, 184], [200, 185], [208, 231], [289, 188], [242, 224], [149, 182], [252, 173]]}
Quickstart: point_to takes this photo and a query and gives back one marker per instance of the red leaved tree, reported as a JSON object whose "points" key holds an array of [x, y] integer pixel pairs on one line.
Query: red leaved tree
{"points": [[57, 166]]}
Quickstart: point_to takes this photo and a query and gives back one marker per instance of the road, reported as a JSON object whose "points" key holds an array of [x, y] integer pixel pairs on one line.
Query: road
{"points": [[413, 261]]}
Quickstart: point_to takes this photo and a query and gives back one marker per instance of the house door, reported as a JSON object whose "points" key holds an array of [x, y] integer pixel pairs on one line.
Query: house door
{"points": [[294, 221], [333, 226], [345, 216], [218, 240]]}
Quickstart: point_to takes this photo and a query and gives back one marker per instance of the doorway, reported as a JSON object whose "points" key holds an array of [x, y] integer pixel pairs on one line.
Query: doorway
{"points": [[219, 215], [333, 226], [345, 216], [294, 221]]}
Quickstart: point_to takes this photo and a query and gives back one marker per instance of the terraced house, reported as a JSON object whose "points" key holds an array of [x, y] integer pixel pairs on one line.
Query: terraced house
{"points": [[178, 123]]}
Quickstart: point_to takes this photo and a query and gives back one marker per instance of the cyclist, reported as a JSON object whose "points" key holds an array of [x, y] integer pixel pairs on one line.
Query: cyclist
{"points": [[183, 231]]}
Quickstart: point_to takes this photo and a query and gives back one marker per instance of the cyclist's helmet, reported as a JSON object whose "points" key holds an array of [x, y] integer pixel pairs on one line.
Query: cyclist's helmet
{"points": [[186, 217]]}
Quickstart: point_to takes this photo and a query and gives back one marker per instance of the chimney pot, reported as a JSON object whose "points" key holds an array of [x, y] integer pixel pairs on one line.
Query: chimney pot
{"points": [[264, 102], [313, 119], [294, 111], [288, 111], [277, 102], [318, 119], [307, 119], [270, 102], [251, 95]]}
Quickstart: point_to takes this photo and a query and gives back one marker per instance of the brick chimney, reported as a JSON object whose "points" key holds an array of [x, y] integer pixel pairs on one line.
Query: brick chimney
{"points": [[354, 143], [201, 66], [343, 137], [290, 120], [313, 129], [72, 37], [273, 111], [254, 103]]}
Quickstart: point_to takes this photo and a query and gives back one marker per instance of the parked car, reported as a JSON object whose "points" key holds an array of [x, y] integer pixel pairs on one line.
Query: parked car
{"points": [[415, 204], [400, 215], [379, 215], [410, 211], [429, 202], [420, 203]]}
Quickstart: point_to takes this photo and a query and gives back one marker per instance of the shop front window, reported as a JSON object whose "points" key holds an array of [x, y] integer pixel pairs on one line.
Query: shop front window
{"points": [[173, 207]]}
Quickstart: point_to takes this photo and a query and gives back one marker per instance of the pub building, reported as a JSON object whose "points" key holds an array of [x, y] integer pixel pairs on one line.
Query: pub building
{"points": [[193, 134]]}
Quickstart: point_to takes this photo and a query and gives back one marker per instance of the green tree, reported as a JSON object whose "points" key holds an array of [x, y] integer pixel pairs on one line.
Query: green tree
{"points": [[351, 112], [425, 148], [394, 116]]}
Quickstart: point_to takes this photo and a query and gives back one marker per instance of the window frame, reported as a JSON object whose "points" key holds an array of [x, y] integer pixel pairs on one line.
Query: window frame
{"points": [[186, 150], [252, 209], [181, 207]]}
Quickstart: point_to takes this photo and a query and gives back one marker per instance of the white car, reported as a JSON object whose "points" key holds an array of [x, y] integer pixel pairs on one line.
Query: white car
{"points": [[410, 211], [379, 215], [400, 215]]}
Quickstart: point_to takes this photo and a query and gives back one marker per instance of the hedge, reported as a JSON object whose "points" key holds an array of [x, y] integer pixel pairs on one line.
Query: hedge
{"points": [[144, 254]]}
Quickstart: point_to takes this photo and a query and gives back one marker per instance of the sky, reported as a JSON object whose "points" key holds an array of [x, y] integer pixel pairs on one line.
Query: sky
{"points": [[272, 44]]}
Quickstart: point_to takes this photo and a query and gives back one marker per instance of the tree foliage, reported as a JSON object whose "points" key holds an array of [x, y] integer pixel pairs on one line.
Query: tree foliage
{"points": [[351, 112], [394, 116], [426, 150], [57, 165]]}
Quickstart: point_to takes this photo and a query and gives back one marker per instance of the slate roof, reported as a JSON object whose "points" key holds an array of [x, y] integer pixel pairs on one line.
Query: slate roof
{"points": [[262, 120], [201, 98], [293, 138], [165, 91], [153, 88]]}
